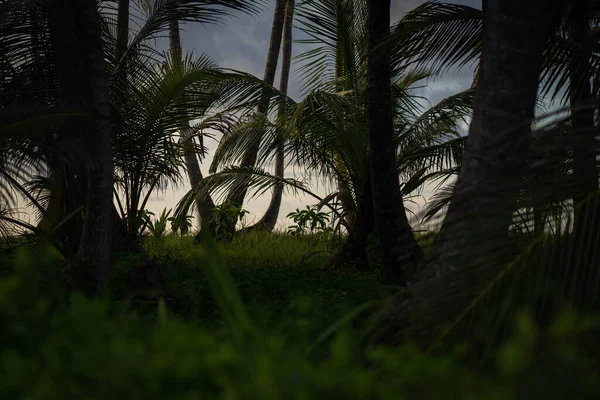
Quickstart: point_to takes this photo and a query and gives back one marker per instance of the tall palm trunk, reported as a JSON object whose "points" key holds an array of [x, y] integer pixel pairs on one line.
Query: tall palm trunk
{"points": [[122, 28], [401, 252], [584, 165], [483, 202], [205, 204], [269, 219], [81, 73], [249, 157], [96, 238], [486, 191]]}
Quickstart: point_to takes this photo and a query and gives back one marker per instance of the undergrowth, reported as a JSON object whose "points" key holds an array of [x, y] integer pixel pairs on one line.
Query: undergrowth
{"points": [[272, 328], [280, 277]]}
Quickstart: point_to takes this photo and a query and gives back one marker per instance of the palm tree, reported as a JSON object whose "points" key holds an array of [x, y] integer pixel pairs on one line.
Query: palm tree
{"points": [[400, 249], [249, 158], [160, 98], [269, 219], [205, 205], [505, 102], [584, 168], [122, 27], [472, 266], [440, 36], [82, 80], [326, 133], [50, 65]]}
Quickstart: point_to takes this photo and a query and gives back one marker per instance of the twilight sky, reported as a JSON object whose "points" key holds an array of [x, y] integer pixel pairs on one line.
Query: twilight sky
{"points": [[241, 43]]}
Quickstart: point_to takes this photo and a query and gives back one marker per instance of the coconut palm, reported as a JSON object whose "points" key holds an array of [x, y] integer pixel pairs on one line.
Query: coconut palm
{"points": [[326, 133], [477, 190], [159, 102], [249, 158], [192, 164], [441, 36], [482, 268], [401, 253], [50, 70], [269, 219]]}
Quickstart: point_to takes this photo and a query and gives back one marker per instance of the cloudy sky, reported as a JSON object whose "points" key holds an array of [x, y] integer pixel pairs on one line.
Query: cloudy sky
{"points": [[242, 42]]}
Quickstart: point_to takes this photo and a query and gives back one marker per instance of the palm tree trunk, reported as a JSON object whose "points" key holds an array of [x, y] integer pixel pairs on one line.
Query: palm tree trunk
{"points": [[269, 219], [250, 156], [353, 252], [584, 165], [122, 28], [401, 252], [81, 76], [485, 194], [483, 202], [205, 205], [96, 239]]}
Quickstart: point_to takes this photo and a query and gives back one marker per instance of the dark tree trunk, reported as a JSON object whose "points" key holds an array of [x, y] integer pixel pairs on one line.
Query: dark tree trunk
{"points": [[483, 202], [250, 156], [354, 250], [122, 28], [582, 115], [484, 198], [96, 238], [205, 204], [269, 219], [401, 252], [81, 75]]}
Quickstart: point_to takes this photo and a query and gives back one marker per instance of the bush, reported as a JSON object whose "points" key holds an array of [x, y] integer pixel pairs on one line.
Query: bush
{"points": [[87, 351], [56, 345]]}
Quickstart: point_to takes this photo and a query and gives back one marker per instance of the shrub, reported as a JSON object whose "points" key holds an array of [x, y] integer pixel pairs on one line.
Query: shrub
{"points": [[87, 351], [56, 345]]}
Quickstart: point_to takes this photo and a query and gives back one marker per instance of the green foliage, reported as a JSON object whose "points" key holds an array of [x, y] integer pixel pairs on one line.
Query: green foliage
{"points": [[247, 251], [276, 286], [181, 224], [310, 220], [225, 215], [158, 228], [79, 348]]}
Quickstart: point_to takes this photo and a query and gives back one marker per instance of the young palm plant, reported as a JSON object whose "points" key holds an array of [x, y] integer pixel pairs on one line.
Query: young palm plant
{"points": [[159, 99]]}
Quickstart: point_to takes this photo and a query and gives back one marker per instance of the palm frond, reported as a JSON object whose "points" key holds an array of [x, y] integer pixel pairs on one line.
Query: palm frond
{"points": [[437, 35], [547, 259], [161, 12], [337, 29], [431, 141], [250, 131], [232, 179]]}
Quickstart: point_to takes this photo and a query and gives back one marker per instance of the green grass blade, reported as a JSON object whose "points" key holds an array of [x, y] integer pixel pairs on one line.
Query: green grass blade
{"points": [[225, 292]]}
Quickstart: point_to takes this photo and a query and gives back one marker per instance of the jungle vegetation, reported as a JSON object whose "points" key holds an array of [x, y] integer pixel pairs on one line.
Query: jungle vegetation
{"points": [[492, 291]]}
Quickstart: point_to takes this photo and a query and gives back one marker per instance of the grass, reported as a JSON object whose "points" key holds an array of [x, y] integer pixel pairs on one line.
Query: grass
{"points": [[277, 282], [253, 250]]}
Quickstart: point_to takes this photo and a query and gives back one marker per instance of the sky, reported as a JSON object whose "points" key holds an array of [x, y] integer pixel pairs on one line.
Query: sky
{"points": [[241, 43]]}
